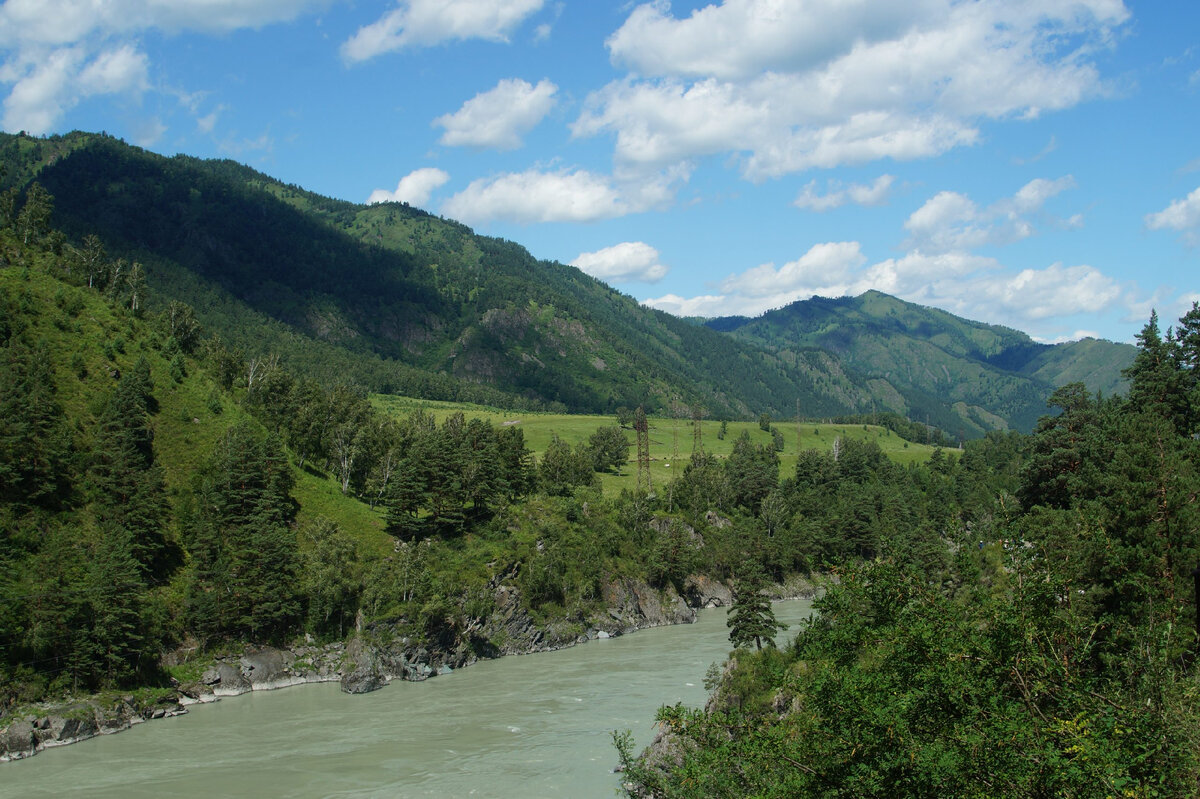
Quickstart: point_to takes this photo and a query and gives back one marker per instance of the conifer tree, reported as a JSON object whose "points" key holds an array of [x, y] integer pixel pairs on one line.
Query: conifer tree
{"points": [[751, 619]]}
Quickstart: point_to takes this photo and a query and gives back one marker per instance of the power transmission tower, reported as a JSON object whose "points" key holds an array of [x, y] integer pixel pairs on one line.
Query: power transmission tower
{"points": [[697, 436], [799, 425], [642, 428]]}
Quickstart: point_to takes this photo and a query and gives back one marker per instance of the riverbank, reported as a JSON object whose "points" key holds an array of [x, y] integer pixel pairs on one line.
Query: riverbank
{"points": [[371, 659], [514, 726]]}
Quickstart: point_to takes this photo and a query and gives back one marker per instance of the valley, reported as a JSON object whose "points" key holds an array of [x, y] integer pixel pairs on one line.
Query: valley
{"points": [[239, 418]]}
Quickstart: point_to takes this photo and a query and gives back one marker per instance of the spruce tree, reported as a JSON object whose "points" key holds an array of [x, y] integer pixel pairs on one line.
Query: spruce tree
{"points": [[751, 618]]}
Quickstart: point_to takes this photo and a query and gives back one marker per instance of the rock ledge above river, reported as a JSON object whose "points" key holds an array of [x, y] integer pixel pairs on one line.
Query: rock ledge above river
{"points": [[375, 656]]}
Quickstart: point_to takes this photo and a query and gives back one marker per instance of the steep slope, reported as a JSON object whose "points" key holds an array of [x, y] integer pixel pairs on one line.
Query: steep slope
{"points": [[953, 372], [1094, 362], [403, 301]]}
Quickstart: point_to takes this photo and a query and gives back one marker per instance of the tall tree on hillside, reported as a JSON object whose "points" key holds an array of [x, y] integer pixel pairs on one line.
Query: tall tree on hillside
{"points": [[751, 619], [1157, 383], [33, 222], [610, 448], [753, 470], [244, 554], [34, 442], [516, 462], [123, 479]]}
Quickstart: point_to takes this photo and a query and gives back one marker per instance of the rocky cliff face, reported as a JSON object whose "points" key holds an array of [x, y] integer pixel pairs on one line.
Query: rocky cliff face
{"points": [[379, 655], [374, 657]]}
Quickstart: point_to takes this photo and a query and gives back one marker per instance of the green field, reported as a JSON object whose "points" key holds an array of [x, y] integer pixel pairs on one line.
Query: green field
{"points": [[671, 440]]}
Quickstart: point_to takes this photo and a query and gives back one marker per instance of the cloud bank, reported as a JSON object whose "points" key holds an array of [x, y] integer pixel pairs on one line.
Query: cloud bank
{"points": [[787, 86]]}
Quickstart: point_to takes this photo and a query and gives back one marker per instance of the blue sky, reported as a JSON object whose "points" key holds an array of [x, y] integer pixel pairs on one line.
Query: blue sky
{"points": [[1029, 163]]}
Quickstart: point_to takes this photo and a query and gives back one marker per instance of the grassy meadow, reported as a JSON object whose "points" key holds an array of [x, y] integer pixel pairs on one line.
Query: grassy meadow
{"points": [[671, 440]]}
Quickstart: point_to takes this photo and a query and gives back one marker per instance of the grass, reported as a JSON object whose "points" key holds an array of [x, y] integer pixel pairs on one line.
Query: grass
{"points": [[322, 496], [671, 440]]}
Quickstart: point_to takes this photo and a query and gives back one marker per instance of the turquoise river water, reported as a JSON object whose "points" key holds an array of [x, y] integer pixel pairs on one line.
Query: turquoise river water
{"points": [[525, 726]]}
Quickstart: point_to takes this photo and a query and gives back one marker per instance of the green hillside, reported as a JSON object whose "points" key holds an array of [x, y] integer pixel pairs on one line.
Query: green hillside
{"points": [[163, 488], [670, 439], [401, 301], [957, 374]]}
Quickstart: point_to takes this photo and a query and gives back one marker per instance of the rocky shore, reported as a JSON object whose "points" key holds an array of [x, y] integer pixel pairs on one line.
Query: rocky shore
{"points": [[373, 657]]}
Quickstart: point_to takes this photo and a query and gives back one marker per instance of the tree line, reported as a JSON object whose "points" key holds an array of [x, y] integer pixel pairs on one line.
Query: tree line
{"points": [[1020, 621]]}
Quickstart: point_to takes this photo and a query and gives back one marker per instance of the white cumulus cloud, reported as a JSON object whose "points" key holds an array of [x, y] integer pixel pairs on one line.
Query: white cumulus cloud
{"points": [[837, 195], [64, 22], [1056, 290], [499, 117], [952, 221], [823, 266], [1180, 215], [704, 305], [59, 52], [788, 85], [415, 188], [627, 262], [564, 195], [44, 91], [115, 71], [422, 23], [534, 196]]}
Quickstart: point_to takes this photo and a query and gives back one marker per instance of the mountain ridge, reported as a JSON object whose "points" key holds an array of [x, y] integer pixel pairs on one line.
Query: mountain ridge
{"points": [[402, 301], [979, 368]]}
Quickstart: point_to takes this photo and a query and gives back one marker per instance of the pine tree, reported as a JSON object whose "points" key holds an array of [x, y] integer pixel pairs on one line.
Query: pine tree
{"points": [[34, 441], [33, 222], [243, 551], [1157, 383], [751, 618]]}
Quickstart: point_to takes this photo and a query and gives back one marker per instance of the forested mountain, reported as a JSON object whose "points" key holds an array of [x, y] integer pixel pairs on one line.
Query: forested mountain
{"points": [[1015, 619], [957, 374], [399, 300]]}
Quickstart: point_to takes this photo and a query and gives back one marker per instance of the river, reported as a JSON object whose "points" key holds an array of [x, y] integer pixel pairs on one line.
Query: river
{"points": [[519, 726]]}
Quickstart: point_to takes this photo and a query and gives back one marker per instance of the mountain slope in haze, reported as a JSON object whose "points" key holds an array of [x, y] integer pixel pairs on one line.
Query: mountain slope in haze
{"points": [[401, 300], [950, 371]]}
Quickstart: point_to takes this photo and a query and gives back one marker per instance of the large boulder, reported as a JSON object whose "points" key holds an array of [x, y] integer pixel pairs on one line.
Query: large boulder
{"points": [[18, 740], [704, 592], [267, 667], [227, 680], [634, 604], [363, 672]]}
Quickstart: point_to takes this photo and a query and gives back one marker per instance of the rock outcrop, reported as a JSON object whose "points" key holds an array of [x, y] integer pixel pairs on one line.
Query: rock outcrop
{"points": [[375, 656], [634, 605], [78, 721]]}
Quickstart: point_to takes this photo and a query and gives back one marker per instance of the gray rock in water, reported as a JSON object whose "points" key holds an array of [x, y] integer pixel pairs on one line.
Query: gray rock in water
{"points": [[18, 740], [362, 681], [265, 666], [231, 680], [704, 592], [364, 673], [77, 728]]}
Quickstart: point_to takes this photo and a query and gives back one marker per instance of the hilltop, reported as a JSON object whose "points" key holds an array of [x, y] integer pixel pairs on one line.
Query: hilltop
{"points": [[952, 372], [400, 301]]}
